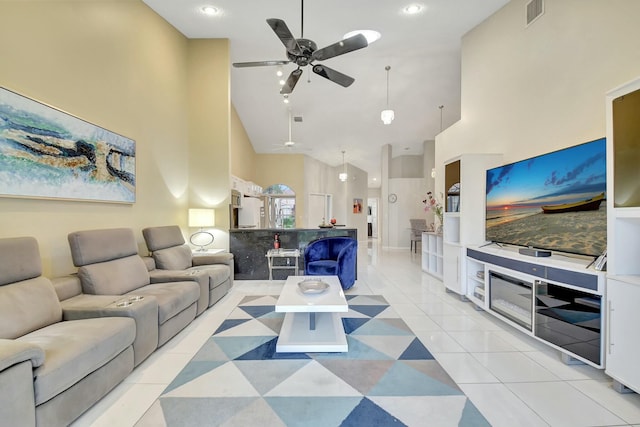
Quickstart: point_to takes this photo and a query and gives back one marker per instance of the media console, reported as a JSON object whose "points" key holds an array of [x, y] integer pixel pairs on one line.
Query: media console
{"points": [[556, 299]]}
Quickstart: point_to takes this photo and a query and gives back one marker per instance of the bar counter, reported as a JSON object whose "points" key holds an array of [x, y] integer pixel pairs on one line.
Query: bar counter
{"points": [[250, 245]]}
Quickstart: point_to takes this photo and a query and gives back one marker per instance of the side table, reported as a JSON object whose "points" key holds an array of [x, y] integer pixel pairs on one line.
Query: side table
{"points": [[289, 254]]}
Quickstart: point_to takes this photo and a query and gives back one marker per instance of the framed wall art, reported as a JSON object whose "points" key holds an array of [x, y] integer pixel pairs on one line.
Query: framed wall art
{"points": [[357, 206], [47, 153]]}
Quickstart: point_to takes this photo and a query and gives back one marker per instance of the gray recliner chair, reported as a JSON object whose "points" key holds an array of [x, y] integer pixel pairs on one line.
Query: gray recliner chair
{"points": [[109, 264], [170, 252], [51, 370]]}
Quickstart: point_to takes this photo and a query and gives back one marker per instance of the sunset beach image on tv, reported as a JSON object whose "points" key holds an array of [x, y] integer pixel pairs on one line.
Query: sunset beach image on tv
{"points": [[555, 201]]}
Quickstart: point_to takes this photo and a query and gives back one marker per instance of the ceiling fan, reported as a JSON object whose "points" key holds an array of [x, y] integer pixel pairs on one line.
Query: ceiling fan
{"points": [[289, 144], [303, 52]]}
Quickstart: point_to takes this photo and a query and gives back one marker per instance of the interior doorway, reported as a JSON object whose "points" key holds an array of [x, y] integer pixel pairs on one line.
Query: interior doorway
{"points": [[372, 218]]}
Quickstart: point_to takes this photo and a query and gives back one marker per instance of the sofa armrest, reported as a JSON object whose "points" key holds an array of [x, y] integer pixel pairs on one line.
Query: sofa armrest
{"points": [[220, 258], [13, 352], [144, 312], [67, 286], [164, 276], [17, 396]]}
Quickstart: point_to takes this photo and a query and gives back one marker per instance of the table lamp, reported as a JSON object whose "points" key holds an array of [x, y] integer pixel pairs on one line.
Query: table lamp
{"points": [[201, 218]]}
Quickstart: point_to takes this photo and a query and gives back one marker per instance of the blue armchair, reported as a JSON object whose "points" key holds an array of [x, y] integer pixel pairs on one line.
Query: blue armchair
{"points": [[332, 256]]}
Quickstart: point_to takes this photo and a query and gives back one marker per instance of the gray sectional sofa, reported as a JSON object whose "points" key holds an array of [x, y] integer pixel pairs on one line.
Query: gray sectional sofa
{"points": [[65, 343]]}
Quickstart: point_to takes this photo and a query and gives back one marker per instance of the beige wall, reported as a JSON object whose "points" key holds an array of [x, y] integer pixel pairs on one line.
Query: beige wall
{"points": [[116, 64], [527, 91], [243, 156], [209, 123]]}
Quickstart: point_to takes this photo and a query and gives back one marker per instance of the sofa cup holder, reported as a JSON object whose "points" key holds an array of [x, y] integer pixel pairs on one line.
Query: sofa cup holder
{"points": [[129, 301]]}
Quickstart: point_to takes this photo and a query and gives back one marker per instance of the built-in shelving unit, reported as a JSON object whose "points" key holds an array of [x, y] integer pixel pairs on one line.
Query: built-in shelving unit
{"points": [[465, 178], [623, 235], [432, 246]]}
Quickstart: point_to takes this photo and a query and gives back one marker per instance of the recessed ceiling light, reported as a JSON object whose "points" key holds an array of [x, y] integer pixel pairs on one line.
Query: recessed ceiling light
{"points": [[210, 10], [370, 35], [413, 9]]}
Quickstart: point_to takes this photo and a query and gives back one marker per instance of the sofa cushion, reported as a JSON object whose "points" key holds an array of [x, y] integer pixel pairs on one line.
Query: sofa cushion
{"points": [[172, 297], [218, 274], [19, 259], [162, 237], [75, 348], [174, 258], [26, 306], [93, 246], [114, 277]]}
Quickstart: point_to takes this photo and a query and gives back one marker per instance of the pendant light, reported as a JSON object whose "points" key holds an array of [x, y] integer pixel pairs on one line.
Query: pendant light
{"points": [[387, 115], [343, 175]]}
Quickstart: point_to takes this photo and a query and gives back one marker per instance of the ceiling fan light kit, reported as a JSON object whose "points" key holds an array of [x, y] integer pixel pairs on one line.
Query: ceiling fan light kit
{"points": [[303, 52]]}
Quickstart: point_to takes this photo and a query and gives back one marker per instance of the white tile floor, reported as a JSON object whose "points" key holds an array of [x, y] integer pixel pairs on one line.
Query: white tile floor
{"points": [[513, 379]]}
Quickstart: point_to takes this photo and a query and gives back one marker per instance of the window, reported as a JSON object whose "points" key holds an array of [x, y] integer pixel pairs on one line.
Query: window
{"points": [[281, 206]]}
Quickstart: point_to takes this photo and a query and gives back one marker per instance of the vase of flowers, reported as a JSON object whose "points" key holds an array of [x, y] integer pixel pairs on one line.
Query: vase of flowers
{"points": [[431, 204]]}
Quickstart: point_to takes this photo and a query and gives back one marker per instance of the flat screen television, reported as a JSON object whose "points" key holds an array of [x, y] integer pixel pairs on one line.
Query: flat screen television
{"points": [[555, 201]]}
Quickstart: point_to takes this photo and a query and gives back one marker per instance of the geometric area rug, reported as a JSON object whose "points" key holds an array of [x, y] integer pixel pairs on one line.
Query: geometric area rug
{"points": [[387, 378]]}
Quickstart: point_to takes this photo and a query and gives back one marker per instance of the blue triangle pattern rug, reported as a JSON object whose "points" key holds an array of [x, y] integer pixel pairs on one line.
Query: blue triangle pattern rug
{"points": [[387, 378]]}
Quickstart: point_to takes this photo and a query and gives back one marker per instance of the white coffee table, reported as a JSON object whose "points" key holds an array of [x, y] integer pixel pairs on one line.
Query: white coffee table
{"points": [[313, 322]]}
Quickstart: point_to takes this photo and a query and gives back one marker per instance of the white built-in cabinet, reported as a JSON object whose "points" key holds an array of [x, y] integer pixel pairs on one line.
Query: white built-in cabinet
{"points": [[432, 254], [464, 217], [623, 235]]}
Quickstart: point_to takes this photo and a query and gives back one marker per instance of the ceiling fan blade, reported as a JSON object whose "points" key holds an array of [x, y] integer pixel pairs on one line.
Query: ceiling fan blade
{"points": [[258, 63], [284, 34], [343, 46], [333, 75], [291, 81]]}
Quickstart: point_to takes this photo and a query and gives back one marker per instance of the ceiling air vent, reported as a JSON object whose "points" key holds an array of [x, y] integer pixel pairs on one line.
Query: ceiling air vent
{"points": [[535, 9]]}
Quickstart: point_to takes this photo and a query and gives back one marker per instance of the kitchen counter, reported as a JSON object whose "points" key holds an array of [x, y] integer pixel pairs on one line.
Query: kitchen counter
{"points": [[249, 246]]}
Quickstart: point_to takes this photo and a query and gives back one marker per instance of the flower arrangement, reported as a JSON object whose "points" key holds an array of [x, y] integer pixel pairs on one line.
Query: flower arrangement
{"points": [[432, 204]]}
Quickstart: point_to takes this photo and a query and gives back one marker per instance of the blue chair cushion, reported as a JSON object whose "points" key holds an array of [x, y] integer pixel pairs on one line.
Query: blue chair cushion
{"points": [[324, 267]]}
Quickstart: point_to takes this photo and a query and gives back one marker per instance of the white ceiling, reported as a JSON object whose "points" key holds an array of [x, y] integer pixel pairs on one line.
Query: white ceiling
{"points": [[423, 51]]}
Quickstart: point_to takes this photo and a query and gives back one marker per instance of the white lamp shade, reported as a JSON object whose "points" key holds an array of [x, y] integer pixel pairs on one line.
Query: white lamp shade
{"points": [[202, 217], [387, 116], [342, 176]]}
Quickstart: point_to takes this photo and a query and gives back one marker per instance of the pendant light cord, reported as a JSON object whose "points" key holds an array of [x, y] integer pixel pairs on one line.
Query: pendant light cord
{"points": [[387, 68], [344, 166]]}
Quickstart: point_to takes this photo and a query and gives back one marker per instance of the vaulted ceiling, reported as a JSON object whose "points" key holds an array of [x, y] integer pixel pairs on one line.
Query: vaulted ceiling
{"points": [[422, 49]]}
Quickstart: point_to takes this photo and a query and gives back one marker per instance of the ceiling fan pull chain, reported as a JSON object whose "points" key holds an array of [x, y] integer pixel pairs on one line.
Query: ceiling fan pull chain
{"points": [[301, 19]]}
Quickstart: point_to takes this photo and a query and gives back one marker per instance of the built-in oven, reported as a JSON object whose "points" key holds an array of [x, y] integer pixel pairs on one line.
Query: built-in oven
{"points": [[570, 319], [512, 298]]}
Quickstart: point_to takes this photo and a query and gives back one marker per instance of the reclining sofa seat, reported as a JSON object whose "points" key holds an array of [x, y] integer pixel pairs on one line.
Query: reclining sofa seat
{"points": [[108, 264], [51, 370], [170, 252]]}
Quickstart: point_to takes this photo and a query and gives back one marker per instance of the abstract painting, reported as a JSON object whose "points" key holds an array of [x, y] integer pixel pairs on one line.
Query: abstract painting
{"points": [[47, 153]]}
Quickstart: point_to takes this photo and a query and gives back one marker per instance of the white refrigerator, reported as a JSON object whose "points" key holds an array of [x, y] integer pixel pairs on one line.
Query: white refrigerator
{"points": [[251, 212]]}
